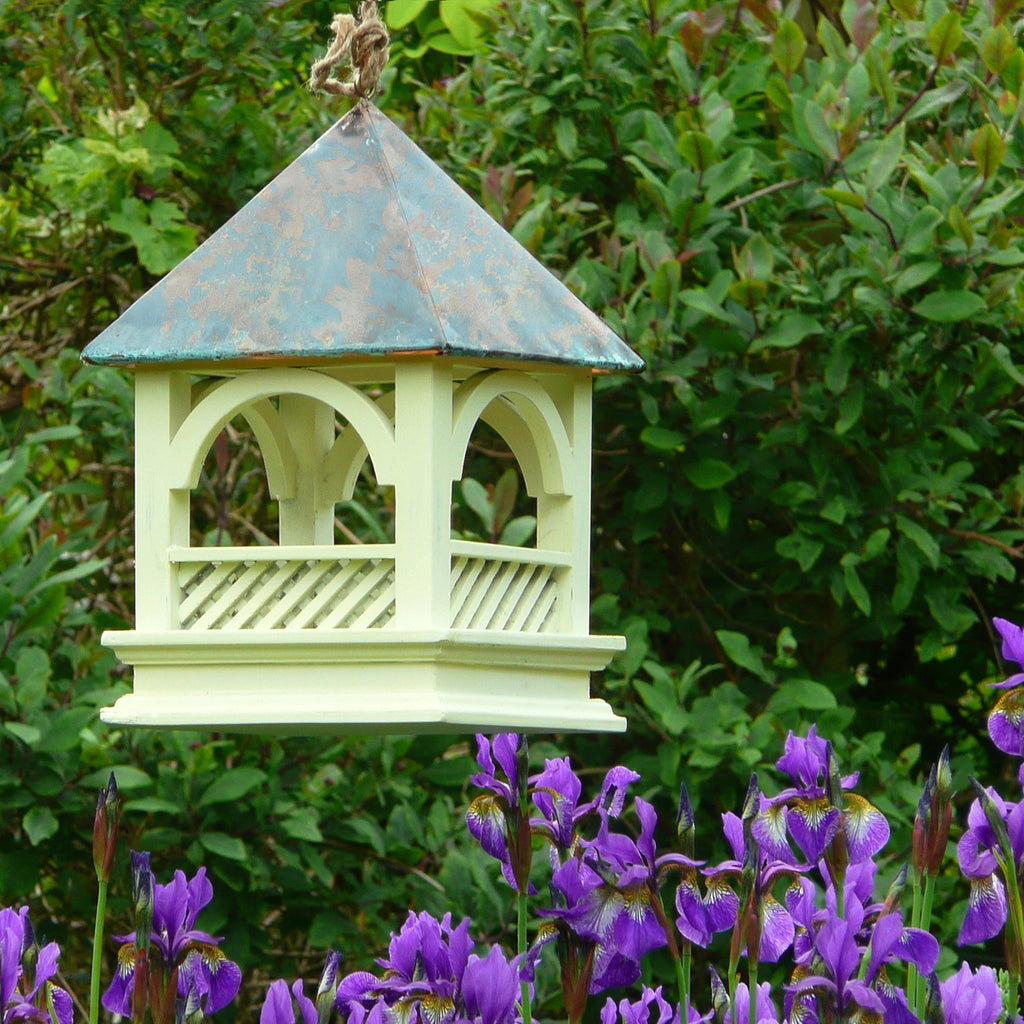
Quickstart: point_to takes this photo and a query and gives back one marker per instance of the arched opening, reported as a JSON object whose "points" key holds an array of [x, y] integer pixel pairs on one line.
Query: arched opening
{"points": [[490, 502], [231, 504]]}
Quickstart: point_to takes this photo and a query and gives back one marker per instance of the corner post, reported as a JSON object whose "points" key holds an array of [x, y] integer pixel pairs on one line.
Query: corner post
{"points": [[423, 494], [307, 518], [163, 399], [563, 521]]}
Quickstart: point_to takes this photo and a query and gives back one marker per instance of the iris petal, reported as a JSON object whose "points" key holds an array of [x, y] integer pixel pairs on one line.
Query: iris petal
{"points": [[486, 822], [813, 824], [986, 910], [721, 903], [1006, 722], [777, 929], [865, 826]]}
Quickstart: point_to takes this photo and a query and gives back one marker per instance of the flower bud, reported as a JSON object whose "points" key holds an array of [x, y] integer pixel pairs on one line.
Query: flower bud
{"points": [[686, 824], [923, 825], [327, 990], [143, 895], [104, 830]]}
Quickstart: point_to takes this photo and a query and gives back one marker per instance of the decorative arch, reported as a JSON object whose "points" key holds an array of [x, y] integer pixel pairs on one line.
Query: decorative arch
{"points": [[248, 394], [343, 462], [525, 415]]}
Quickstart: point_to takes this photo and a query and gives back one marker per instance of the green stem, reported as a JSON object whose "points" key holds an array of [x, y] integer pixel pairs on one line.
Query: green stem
{"points": [[1015, 928], [97, 949], [914, 990], [925, 919], [683, 976], [752, 990], [525, 1007]]}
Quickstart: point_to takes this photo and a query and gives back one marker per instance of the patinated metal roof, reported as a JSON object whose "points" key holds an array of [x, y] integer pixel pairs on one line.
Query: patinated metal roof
{"points": [[362, 247]]}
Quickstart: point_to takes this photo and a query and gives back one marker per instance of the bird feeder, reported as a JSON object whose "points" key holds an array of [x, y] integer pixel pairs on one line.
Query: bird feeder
{"points": [[362, 308]]}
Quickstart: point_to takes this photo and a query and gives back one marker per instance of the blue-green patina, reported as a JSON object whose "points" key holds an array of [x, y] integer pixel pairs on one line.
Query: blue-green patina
{"points": [[362, 247]]}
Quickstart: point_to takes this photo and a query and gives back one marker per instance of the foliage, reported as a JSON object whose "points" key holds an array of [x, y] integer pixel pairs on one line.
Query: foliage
{"points": [[806, 220]]}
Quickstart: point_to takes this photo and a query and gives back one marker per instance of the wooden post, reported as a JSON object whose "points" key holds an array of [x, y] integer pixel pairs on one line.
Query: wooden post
{"points": [[162, 401], [423, 494], [307, 518]]}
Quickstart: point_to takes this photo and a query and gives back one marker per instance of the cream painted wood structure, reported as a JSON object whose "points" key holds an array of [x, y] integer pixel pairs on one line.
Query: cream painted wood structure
{"points": [[429, 633]]}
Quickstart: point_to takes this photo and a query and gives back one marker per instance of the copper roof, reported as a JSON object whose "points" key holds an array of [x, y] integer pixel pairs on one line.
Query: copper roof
{"points": [[361, 247]]}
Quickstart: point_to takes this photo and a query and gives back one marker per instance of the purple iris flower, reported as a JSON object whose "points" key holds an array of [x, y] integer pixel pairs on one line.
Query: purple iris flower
{"points": [[775, 930], [835, 968], [432, 974], [650, 1008], [1006, 720], [813, 819], [490, 987], [765, 1010], [556, 794], [22, 997], [278, 1008], [494, 818], [970, 997], [202, 967], [615, 903], [976, 851]]}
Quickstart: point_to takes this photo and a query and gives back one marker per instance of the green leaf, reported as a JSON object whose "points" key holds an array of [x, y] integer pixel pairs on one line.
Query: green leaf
{"points": [[697, 149], [947, 307], [231, 786], [28, 734], [368, 832], [662, 439], [739, 650], [851, 405], [787, 332], [921, 538], [39, 824], [401, 14], [303, 824], [824, 138], [856, 589], [709, 474], [886, 158], [997, 47], [565, 137], [801, 548], [755, 260], [801, 694], [842, 197], [465, 19], [788, 46], [224, 845], [777, 92], [127, 775], [518, 531], [915, 275], [476, 497], [988, 150], [725, 178], [945, 35]]}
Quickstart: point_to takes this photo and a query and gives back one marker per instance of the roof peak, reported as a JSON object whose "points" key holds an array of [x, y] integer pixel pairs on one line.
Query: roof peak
{"points": [[361, 247]]}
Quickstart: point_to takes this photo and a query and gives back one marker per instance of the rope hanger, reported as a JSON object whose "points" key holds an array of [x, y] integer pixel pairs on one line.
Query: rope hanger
{"points": [[362, 41]]}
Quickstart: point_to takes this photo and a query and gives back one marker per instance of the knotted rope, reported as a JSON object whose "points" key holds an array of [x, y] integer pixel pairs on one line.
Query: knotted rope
{"points": [[362, 40]]}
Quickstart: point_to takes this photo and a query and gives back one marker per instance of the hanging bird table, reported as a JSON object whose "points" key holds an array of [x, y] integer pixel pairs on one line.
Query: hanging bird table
{"points": [[362, 309]]}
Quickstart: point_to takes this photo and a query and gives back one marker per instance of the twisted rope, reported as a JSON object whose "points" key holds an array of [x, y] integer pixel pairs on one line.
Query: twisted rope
{"points": [[361, 40]]}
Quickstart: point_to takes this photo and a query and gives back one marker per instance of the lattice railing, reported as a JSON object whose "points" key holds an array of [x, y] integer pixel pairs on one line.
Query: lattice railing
{"points": [[286, 588], [493, 587], [519, 590]]}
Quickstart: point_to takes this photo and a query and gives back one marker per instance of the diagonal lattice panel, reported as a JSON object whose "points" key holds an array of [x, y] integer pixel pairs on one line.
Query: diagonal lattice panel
{"points": [[288, 594]]}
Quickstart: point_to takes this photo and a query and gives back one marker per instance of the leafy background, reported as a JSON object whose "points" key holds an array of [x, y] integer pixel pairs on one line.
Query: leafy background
{"points": [[807, 219]]}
